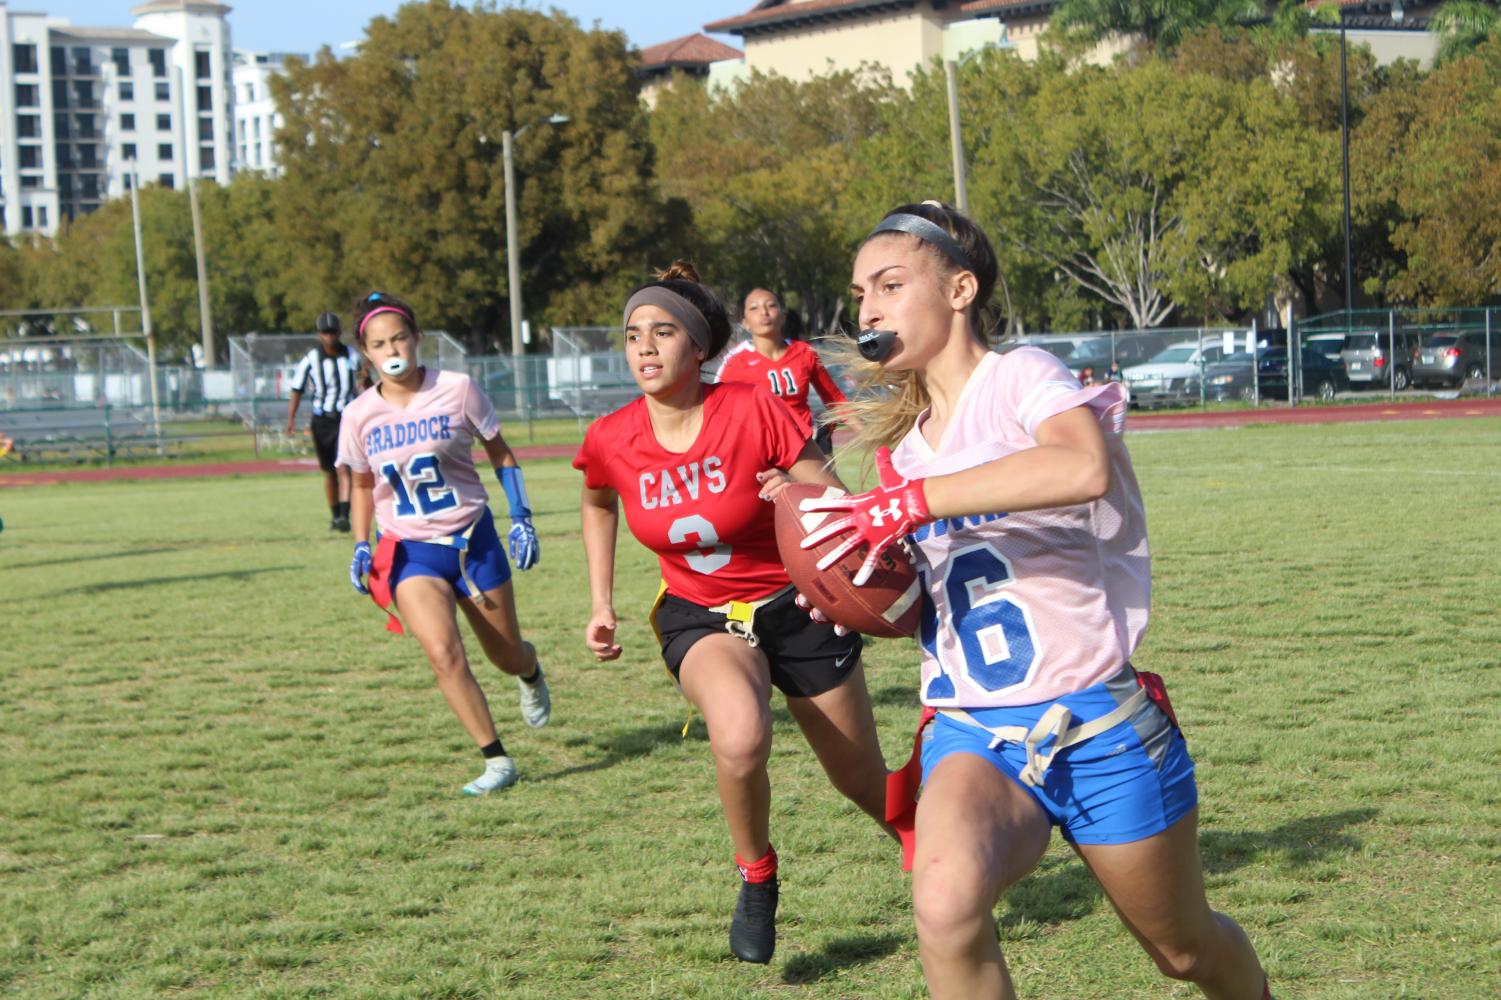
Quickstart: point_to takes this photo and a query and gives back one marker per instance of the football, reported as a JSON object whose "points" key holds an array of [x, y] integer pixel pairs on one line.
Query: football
{"points": [[887, 605]]}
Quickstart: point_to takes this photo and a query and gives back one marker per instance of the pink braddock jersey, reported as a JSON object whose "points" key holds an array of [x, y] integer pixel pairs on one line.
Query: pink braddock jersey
{"points": [[1020, 608], [426, 485]]}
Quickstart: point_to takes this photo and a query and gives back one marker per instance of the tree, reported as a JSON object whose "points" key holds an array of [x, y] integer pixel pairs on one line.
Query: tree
{"points": [[1462, 25], [1161, 24], [766, 169], [393, 169]]}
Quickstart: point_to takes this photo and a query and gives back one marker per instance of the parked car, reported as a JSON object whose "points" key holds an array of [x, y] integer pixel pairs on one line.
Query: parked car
{"points": [[1328, 344], [1058, 345], [1229, 379], [1450, 358], [1171, 377], [1129, 349], [1321, 378], [1369, 360]]}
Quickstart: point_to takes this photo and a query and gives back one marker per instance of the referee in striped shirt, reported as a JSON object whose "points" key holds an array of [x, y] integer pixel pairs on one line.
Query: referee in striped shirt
{"points": [[334, 373]]}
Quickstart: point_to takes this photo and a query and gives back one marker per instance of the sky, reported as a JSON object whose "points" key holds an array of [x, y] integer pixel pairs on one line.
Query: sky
{"points": [[299, 26]]}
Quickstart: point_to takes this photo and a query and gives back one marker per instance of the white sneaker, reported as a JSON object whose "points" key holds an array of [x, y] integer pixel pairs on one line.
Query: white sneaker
{"points": [[536, 703], [500, 772]]}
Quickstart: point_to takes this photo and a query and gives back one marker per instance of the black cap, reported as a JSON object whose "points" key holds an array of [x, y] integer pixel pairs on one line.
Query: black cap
{"points": [[328, 322]]}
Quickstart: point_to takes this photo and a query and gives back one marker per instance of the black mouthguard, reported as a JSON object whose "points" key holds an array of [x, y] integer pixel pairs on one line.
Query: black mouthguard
{"points": [[876, 345]]}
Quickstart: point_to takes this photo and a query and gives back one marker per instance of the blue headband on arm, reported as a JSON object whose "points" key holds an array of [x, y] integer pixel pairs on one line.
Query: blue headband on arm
{"points": [[928, 232]]}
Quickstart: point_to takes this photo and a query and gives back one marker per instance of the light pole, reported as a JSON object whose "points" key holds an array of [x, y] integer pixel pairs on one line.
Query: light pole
{"points": [[956, 138], [135, 224], [513, 263], [1344, 133], [961, 43]]}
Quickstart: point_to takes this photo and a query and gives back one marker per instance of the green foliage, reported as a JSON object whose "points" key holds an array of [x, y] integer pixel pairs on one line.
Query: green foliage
{"points": [[1463, 25], [1162, 24], [769, 170], [394, 173]]}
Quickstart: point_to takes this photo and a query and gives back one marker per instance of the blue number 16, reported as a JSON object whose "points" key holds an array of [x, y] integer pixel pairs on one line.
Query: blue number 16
{"points": [[423, 479], [979, 618]]}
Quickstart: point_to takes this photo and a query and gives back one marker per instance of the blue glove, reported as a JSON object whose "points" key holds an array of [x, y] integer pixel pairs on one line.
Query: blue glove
{"points": [[522, 538], [359, 567]]}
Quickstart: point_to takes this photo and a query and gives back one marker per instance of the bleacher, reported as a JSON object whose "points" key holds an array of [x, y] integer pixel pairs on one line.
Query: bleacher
{"points": [[79, 433]]}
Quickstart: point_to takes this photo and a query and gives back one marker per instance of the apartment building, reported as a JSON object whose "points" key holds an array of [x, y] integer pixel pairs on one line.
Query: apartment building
{"points": [[256, 117], [82, 109]]}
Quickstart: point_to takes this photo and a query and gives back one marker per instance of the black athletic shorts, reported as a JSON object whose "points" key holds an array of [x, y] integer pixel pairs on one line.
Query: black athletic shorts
{"points": [[326, 439], [806, 658]]}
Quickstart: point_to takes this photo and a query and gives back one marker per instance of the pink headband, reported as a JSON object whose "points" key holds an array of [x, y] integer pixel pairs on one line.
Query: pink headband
{"points": [[383, 309]]}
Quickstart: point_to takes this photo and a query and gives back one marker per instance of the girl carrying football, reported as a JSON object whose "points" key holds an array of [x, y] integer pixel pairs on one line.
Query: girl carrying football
{"points": [[408, 441], [690, 463], [789, 368], [1014, 485]]}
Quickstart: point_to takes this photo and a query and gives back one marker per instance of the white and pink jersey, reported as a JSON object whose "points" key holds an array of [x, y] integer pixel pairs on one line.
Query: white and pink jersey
{"points": [[426, 485], [1020, 608]]}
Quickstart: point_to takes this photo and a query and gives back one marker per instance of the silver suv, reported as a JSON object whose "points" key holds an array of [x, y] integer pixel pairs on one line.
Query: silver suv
{"points": [[1369, 362]]}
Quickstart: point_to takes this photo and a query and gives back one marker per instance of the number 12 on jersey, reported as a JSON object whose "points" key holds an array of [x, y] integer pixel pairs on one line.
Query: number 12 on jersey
{"points": [[420, 489]]}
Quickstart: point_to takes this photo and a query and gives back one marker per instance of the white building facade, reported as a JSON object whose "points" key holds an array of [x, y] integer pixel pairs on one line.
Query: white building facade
{"points": [[256, 118], [81, 108]]}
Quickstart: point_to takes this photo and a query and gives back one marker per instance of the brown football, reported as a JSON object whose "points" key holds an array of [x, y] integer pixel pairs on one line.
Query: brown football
{"points": [[887, 605]]}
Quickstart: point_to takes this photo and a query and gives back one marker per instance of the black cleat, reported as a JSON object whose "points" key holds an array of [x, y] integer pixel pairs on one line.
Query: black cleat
{"points": [[753, 930], [341, 524]]}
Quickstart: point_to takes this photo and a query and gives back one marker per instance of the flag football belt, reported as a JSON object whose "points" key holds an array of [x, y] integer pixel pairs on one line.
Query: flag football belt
{"points": [[902, 785], [379, 583], [739, 621]]}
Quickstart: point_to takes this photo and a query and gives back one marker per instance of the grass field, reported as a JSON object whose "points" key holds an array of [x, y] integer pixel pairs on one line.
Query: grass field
{"points": [[219, 777]]}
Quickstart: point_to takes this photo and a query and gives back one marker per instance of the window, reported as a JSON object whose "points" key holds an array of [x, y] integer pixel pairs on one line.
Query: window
{"points": [[163, 91], [127, 180], [202, 65], [164, 123], [59, 93], [121, 59], [127, 91], [41, 216], [164, 151], [205, 98], [27, 95], [31, 157], [83, 62], [86, 128], [128, 150], [206, 130], [62, 126], [257, 130], [127, 123], [241, 126], [165, 180], [83, 90], [30, 181], [23, 58], [65, 156], [88, 157], [158, 59], [25, 216], [249, 91], [206, 158], [89, 186], [28, 127], [59, 60], [65, 185]]}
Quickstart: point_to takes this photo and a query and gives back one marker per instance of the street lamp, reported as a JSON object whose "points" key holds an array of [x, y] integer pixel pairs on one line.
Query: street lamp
{"points": [[513, 264], [962, 42], [1344, 130]]}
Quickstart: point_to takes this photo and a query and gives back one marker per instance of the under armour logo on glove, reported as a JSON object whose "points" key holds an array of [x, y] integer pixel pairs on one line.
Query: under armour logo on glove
{"points": [[522, 541], [879, 519]]}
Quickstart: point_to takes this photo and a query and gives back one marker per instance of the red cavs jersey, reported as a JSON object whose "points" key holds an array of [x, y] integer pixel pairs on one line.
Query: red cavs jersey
{"points": [[788, 377], [700, 510]]}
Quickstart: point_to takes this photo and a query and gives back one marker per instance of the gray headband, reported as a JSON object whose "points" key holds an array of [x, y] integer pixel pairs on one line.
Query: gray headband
{"points": [[928, 232], [686, 313]]}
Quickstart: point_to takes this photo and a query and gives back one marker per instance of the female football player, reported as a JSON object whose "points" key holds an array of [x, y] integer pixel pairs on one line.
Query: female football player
{"points": [[408, 442], [1014, 485], [692, 464], [789, 368]]}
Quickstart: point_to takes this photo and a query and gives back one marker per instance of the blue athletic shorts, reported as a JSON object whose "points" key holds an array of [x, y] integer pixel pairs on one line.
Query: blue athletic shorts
{"points": [[1126, 784], [485, 562]]}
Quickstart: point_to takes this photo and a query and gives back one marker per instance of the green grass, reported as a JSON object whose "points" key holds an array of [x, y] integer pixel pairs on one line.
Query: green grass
{"points": [[219, 777]]}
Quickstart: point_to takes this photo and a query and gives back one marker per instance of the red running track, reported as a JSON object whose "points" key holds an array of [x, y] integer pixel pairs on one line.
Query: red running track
{"points": [[1440, 409]]}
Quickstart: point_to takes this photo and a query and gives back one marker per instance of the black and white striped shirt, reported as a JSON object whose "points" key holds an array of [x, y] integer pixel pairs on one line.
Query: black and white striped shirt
{"points": [[330, 381]]}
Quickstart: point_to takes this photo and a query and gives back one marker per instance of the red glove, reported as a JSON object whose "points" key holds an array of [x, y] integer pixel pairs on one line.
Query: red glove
{"points": [[878, 519]]}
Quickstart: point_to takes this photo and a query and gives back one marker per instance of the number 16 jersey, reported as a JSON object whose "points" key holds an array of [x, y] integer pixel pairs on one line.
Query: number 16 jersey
{"points": [[1024, 607], [700, 510], [426, 485]]}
